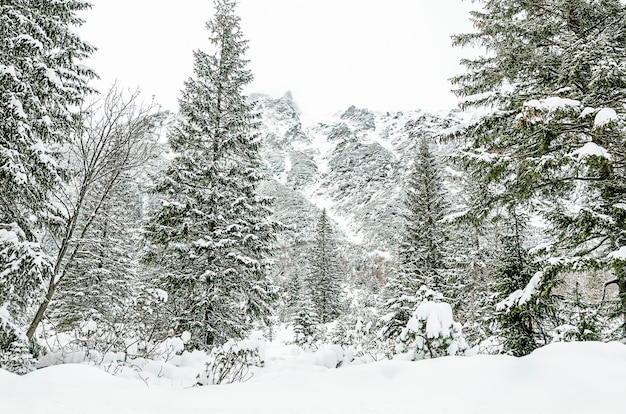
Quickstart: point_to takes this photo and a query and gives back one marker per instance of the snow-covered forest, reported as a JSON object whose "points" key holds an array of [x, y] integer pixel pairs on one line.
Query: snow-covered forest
{"points": [[239, 241]]}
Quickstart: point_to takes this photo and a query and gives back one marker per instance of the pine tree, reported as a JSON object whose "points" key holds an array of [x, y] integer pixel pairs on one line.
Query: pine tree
{"points": [[41, 80], [305, 318], [526, 306], [422, 251], [212, 235], [325, 277], [556, 75]]}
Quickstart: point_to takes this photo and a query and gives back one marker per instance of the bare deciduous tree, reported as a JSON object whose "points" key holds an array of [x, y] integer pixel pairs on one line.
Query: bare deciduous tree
{"points": [[118, 135]]}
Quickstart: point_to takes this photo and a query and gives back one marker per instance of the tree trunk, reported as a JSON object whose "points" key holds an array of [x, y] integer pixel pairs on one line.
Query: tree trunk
{"points": [[41, 310], [621, 283]]}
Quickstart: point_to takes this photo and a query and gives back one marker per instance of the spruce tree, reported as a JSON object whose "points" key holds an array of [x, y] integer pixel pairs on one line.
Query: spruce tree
{"points": [[212, 234], [556, 77], [305, 318], [399, 300], [422, 251], [325, 277], [41, 81], [526, 308]]}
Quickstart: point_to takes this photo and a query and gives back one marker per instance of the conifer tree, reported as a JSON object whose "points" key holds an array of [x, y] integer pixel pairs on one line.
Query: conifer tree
{"points": [[556, 75], [325, 278], [422, 251], [526, 308], [41, 80], [305, 318], [399, 300], [212, 234]]}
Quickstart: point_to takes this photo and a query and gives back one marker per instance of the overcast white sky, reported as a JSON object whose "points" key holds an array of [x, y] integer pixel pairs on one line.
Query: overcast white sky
{"points": [[379, 54]]}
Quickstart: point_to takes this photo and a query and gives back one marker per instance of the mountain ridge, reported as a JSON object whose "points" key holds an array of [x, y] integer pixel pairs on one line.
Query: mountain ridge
{"points": [[353, 164]]}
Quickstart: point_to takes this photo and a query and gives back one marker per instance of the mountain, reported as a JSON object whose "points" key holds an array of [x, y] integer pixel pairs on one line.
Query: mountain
{"points": [[353, 163]]}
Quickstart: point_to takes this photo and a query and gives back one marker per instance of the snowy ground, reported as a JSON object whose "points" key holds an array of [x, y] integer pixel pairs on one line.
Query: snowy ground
{"points": [[560, 378]]}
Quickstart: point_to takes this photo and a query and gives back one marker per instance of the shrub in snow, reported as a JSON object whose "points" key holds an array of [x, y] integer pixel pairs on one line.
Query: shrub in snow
{"points": [[356, 335], [431, 332], [231, 362]]}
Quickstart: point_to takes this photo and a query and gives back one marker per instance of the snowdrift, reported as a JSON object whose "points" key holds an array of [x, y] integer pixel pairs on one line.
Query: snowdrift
{"points": [[560, 378]]}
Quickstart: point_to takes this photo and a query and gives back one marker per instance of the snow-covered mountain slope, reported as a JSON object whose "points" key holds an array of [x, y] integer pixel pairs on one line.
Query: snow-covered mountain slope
{"points": [[354, 164]]}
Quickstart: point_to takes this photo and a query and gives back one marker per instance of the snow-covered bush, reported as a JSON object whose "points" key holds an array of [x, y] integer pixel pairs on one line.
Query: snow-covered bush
{"points": [[306, 331], [231, 362], [333, 356], [357, 335], [431, 332], [17, 357]]}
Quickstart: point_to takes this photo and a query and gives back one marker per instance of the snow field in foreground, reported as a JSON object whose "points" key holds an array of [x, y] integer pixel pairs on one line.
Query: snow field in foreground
{"points": [[560, 378]]}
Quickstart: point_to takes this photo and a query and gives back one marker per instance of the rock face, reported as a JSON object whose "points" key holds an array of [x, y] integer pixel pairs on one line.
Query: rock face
{"points": [[354, 164]]}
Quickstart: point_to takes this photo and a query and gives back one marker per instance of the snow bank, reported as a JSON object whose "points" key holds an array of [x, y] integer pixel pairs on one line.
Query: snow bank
{"points": [[572, 378]]}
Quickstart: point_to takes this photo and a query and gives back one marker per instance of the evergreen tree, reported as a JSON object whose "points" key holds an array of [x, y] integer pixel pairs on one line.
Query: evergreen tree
{"points": [[431, 331], [212, 234], [422, 251], [399, 300], [305, 318], [41, 80], [526, 307], [325, 278], [556, 75]]}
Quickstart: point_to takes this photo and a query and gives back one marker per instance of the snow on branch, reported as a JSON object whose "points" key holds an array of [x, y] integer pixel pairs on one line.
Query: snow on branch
{"points": [[521, 296]]}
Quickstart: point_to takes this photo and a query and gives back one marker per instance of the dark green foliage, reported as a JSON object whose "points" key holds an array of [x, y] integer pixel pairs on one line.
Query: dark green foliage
{"points": [[518, 324], [553, 68], [583, 319], [325, 272], [527, 310], [41, 84], [212, 234], [40, 81]]}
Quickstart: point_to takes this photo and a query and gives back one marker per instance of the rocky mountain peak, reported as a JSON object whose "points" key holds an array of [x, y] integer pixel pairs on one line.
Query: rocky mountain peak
{"points": [[354, 165]]}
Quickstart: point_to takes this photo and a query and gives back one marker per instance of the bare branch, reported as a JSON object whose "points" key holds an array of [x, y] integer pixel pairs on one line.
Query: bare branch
{"points": [[610, 282], [117, 136]]}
